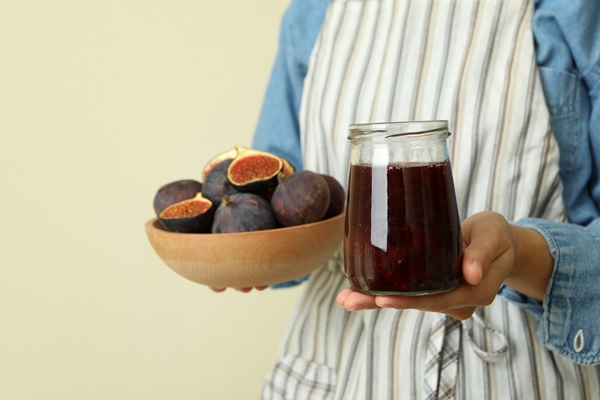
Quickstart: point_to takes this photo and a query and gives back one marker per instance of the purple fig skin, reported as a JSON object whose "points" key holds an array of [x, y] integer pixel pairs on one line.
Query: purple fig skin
{"points": [[243, 212], [174, 192], [300, 198], [337, 202], [216, 184]]}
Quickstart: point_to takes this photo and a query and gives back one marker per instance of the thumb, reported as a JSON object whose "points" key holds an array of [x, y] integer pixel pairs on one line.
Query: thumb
{"points": [[472, 270], [482, 235]]}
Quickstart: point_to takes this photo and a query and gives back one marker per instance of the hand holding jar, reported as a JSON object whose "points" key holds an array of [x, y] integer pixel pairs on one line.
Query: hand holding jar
{"points": [[404, 246]]}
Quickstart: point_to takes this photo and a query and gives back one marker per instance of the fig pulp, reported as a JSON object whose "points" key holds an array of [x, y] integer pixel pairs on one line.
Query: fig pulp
{"points": [[216, 184], [243, 212], [337, 196], [174, 192], [189, 216], [226, 155], [253, 170], [300, 198]]}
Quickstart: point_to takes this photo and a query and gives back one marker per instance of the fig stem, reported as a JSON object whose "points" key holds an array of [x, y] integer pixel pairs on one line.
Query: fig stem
{"points": [[226, 200]]}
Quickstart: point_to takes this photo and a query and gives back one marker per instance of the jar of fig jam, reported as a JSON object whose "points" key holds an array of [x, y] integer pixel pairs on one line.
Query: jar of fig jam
{"points": [[402, 234]]}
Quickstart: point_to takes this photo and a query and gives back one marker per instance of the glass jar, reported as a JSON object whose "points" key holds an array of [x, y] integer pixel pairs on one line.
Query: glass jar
{"points": [[402, 234]]}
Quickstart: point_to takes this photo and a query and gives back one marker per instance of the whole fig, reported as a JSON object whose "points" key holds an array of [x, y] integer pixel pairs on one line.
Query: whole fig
{"points": [[216, 184], [300, 198], [243, 212], [337, 194], [174, 192]]}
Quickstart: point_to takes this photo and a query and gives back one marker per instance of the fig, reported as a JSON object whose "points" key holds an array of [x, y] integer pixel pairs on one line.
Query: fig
{"points": [[243, 212], [213, 162], [216, 184], [254, 170], [174, 192], [189, 216], [337, 200], [300, 198], [288, 168]]}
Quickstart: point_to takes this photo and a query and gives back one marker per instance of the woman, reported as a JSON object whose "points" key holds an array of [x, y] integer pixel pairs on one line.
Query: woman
{"points": [[518, 83]]}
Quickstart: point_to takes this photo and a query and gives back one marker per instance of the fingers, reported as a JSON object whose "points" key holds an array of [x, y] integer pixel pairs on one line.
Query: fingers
{"points": [[248, 289], [243, 290], [459, 303], [355, 301], [341, 297]]}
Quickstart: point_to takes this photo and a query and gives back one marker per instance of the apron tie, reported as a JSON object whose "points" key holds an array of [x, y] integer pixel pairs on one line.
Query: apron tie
{"points": [[441, 360], [491, 356]]}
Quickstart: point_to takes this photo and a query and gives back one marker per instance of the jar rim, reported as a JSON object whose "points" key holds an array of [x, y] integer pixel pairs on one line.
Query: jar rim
{"points": [[400, 129]]}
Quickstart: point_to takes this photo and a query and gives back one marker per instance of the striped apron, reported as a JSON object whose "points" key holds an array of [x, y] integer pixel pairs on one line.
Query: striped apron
{"points": [[472, 63]]}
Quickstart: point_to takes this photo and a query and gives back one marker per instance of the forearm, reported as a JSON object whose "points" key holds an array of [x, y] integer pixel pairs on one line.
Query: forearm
{"points": [[533, 263]]}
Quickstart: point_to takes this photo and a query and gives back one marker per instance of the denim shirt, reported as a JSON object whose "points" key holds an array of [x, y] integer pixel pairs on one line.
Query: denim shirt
{"points": [[567, 39]]}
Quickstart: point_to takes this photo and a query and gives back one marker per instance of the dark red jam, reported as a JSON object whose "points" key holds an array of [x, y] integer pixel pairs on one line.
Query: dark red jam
{"points": [[402, 232]]}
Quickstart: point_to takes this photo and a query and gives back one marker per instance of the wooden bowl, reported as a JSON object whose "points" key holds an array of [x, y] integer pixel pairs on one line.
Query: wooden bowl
{"points": [[250, 258]]}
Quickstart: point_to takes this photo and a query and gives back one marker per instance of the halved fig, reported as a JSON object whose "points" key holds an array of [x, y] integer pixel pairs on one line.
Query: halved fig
{"points": [[174, 192], [189, 216], [288, 168], [213, 162], [254, 170]]}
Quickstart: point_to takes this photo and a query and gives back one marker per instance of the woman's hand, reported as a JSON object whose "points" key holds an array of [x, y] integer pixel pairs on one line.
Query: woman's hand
{"points": [[243, 290], [495, 252]]}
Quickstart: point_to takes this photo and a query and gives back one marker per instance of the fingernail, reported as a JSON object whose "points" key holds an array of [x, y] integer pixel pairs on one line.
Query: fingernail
{"points": [[479, 269]]}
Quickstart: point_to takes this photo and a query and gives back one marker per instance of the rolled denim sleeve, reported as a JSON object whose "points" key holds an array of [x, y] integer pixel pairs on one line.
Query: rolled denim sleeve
{"points": [[569, 322]]}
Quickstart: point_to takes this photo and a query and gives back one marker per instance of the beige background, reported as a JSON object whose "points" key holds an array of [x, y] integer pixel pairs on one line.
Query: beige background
{"points": [[102, 102]]}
